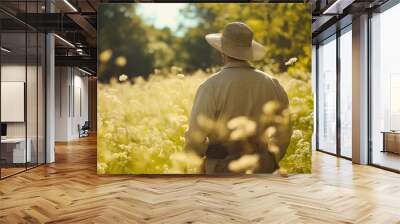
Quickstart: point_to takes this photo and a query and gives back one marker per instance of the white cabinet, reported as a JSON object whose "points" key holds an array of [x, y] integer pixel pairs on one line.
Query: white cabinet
{"points": [[18, 149]]}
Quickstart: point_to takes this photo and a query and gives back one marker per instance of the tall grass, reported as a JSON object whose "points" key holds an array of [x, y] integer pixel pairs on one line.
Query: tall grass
{"points": [[141, 124]]}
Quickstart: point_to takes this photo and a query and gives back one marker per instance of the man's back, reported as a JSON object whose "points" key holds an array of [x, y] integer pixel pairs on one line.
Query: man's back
{"points": [[238, 90]]}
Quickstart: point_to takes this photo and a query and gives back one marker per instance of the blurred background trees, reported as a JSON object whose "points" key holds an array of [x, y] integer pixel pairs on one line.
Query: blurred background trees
{"points": [[284, 29], [125, 34]]}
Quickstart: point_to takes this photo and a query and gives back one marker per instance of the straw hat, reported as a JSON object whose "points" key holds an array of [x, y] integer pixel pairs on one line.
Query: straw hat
{"points": [[236, 41]]}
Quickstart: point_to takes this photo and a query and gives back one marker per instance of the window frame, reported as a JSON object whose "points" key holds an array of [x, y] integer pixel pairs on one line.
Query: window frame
{"points": [[339, 32], [29, 29], [381, 9]]}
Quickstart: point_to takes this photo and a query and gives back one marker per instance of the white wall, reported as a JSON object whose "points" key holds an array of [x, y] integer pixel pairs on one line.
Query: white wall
{"points": [[80, 104], [33, 127], [71, 94], [16, 73], [62, 81]]}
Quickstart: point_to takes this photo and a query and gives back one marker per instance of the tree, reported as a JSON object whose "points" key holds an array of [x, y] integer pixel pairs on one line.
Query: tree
{"points": [[284, 29], [123, 32]]}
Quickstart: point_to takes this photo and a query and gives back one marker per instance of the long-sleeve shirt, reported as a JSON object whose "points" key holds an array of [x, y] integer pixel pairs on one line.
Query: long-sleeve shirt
{"points": [[237, 90]]}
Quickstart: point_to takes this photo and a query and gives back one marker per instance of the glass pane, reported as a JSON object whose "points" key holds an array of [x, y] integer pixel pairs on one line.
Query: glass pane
{"points": [[346, 94], [32, 90], [13, 86], [41, 98], [385, 114], [23, 90], [327, 96], [31, 97]]}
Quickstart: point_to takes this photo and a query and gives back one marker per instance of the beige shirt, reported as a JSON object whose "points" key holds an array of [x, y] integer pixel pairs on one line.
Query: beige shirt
{"points": [[237, 90]]}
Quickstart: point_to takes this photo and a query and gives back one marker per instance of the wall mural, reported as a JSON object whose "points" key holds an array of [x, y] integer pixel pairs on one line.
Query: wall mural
{"points": [[204, 88]]}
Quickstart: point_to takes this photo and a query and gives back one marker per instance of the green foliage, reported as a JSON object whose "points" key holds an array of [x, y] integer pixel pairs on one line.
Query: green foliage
{"points": [[284, 29], [298, 157], [124, 33]]}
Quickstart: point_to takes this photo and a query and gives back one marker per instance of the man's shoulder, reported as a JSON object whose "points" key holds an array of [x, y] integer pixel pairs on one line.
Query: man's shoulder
{"points": [[222, 76], [263, 74], [210, 80]]}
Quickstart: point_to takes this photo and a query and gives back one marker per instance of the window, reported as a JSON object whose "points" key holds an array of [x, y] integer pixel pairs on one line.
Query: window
{"points": [[385, 89], [334, 95], [346, 92], [327, 95], [22, 77]]}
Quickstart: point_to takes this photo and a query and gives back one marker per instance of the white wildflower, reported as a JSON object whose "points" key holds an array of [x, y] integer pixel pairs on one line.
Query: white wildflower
{"points": [[123, 78], [291, 61], [245, 163], [241, 128]]}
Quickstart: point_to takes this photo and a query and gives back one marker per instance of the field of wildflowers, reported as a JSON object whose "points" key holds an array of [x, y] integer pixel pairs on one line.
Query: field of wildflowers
{"points": [[141, 124]]}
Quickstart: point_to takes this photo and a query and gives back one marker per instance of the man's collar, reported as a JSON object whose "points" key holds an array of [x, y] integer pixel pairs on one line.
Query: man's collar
{"points": [[237, 64]]}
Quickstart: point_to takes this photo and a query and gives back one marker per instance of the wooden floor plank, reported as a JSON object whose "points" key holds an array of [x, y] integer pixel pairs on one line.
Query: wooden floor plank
{"points": [[69, 191]]}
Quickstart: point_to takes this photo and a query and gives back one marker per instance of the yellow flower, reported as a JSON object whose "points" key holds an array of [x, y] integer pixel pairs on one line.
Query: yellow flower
{"points": [[246, 163], [271, 108], [241, 127], [105, 55], [297, 134], [273, 149], [101, 168], [198, 137], [175, 69], [205, 122], [270, 132], [120, 61], [185, 162]]}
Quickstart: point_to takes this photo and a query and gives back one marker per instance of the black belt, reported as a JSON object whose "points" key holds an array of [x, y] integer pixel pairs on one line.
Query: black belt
{"points": [[220, 151], [216, 151]]}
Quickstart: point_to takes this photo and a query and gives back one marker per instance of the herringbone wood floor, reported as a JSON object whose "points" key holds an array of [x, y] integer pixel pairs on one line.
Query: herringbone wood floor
{"points": [[69, 191]]}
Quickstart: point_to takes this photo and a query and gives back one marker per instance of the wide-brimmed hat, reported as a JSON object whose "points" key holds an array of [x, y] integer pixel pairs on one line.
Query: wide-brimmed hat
{"points": [[236, 41]]}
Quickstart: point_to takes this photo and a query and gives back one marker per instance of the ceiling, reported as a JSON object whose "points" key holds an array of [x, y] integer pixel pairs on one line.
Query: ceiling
{"points": [[75, 21], [330, 15]]}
